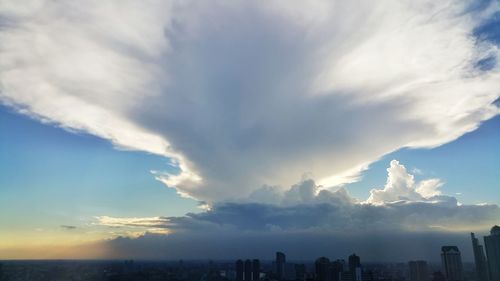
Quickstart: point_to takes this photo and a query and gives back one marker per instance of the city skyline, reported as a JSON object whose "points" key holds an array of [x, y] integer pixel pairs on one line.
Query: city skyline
{"points": [[221, 130]]}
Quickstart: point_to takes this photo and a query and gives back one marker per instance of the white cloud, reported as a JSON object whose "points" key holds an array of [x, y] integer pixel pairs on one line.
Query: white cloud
{"points": [[429, 188], [134, 227], [401, 186], [132, 222], [243, 94]]}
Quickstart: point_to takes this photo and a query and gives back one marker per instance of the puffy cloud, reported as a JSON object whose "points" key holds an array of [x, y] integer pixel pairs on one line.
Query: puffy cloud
{"points": [[242, 94], [429, 188], [401, 186]]}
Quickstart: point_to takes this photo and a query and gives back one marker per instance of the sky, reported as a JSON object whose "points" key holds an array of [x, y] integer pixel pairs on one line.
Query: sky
{"points": [[166, 129]]}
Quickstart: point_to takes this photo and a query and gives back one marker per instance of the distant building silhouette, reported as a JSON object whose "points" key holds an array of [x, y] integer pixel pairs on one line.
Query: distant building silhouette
{"points": [[280, 265], [240, 268], [492, 244], [418, 271], [289, 271], [479, 260], [255, 270], [300, 272], [438, 276], [337, 269], [355, 267], [452, 263], [322, 269], [248, 270]]}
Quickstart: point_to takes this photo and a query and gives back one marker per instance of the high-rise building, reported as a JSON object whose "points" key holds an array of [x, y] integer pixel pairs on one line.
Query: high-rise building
{"points": [[300, 272], [248, 270], [492, 244], [479, 260], [240, 268], [418, 271], [280, 265], [255, 270], [452, 263], [322, 269], [355, 267], [337, 269]]}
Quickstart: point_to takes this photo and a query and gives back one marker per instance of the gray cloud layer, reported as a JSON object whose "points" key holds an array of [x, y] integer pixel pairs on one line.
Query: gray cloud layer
{"points": [[308, 222], [243, 94]]}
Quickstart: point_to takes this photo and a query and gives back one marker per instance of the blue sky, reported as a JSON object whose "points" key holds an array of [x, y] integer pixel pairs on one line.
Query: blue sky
{"points": [[302, 120], [468, 165], [64, 177]]}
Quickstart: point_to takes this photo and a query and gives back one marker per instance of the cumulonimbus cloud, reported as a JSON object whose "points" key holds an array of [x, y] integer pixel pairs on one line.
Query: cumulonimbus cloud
{"points": [[243, 94]]}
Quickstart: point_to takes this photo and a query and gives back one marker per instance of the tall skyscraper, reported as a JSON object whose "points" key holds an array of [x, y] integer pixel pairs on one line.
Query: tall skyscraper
{"points": [[240, 268], [452, 263], [248, 270], [337, 269], [492, 244], [280, 265], [479, 259], [322, 269], [355, 267], [255, 270], [418, 271]]}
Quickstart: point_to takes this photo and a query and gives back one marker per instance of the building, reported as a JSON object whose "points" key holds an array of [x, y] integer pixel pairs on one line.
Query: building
{"points": [[492, 244], [337, 269], [239, 270], [479, 260], [418, 271], [289, 271], [438, 276], [355, 267], [280, 265], [255, 270], [322, 269], [451, 261], [248, 270], [300, 272]]}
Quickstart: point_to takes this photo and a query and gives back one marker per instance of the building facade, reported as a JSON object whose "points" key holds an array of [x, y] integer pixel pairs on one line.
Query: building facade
{"points": [[451, 260], [418, 271], [280, 265], [492, 244], [479, 260]]}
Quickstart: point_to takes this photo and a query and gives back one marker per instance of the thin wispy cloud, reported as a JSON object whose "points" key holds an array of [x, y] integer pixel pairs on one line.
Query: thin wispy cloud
{"points": [[68, 227], [242, 94], [132, 222]]}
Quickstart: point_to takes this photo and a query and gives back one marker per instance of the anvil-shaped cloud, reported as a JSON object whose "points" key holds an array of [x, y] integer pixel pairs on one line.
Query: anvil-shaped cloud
{"points": [[240, 94]]}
